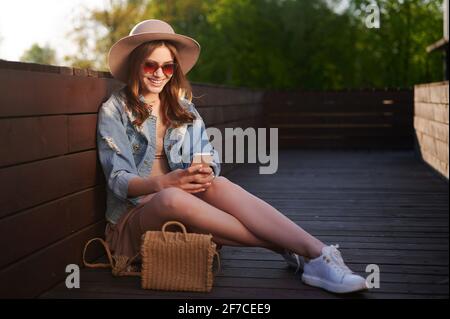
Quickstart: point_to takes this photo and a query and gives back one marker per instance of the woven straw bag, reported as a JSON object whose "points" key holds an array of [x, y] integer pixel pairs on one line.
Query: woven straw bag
{"points": [[177, 261]]}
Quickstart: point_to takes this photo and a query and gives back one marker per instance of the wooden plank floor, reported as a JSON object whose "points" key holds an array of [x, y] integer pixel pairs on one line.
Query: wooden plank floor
{"points": [[382, 207]]}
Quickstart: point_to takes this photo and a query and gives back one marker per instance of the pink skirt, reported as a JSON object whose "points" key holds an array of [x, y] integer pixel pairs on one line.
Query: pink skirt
{"points": [[124, 238]]}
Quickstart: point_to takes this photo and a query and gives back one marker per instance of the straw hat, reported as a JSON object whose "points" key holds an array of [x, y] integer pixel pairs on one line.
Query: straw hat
{"points": [[149, 30]]}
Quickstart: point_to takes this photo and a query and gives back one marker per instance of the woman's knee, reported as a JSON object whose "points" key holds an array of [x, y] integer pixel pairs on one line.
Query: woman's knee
{"points": [[172, 202], [221, 182], [169, 198]]}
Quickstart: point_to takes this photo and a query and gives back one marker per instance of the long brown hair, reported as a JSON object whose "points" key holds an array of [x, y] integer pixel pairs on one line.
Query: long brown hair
{"points": [[177, 87]]}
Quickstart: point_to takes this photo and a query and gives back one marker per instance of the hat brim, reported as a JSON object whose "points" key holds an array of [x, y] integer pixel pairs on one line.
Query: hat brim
{"points": [[188, 50]]}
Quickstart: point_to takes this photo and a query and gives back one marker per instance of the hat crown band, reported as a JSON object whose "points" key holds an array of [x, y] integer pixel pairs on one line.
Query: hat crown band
{"points": [[152, 26]]}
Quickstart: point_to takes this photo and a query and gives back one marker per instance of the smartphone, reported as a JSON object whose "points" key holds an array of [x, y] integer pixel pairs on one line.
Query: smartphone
{"points": [[202, 158]]}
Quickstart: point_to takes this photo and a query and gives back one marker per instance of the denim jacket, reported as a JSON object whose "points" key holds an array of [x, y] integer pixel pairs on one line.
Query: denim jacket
{"points": [[126, 151]]}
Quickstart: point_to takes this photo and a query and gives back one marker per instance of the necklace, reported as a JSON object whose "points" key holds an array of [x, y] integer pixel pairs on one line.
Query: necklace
{"points": [[149, 105], [149, 102]]}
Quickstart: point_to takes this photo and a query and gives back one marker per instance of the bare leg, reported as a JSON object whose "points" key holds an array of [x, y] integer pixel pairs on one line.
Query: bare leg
{"points": [[260, 218], [198, 216]]}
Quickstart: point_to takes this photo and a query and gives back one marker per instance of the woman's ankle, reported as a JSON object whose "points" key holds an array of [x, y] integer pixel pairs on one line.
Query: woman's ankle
{"points": [[315, 250]]}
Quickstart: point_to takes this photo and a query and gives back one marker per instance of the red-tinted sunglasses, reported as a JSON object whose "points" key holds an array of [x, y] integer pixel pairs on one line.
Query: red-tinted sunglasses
{"points": [[151, 67]]}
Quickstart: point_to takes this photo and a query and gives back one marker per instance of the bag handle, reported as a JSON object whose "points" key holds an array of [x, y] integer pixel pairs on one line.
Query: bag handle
{"points": [[173, 222], [118, 264], [218, 262], [108, 254]]}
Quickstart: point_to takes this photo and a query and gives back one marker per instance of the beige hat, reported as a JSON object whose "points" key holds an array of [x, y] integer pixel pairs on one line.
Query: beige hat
{"points": [[149, 30]]}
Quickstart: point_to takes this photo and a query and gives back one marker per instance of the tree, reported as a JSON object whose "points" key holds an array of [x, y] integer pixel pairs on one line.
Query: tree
{"points": [[96, 31], [395, 55], [38, 54], [283, 43]]}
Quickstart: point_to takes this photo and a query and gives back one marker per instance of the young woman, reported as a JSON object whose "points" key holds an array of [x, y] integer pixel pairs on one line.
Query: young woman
{"points": [[142, 129]]}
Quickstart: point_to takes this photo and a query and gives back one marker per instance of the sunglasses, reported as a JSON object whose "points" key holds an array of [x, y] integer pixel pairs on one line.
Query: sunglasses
{"points": [[151, 67]]}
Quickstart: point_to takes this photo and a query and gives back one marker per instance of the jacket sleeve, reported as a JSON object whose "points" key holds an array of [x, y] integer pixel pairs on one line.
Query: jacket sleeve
{"points": [[201, 141], [115, 152]]}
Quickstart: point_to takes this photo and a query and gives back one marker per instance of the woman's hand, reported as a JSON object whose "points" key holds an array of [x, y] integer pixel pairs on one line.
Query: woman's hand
{"points": [[208, 172], [193, 179]]}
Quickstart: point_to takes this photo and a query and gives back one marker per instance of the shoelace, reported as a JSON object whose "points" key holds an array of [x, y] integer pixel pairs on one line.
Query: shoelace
{"points": [[297, 259], [338, 261]]}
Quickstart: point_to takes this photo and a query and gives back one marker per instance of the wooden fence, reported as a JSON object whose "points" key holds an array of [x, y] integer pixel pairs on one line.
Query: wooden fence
{"points": [[431, 124], [342, 119], [53, 188]]}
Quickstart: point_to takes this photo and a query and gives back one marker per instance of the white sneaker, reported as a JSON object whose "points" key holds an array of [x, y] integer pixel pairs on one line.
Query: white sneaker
{"points": [[328, 271], [293, 260]]}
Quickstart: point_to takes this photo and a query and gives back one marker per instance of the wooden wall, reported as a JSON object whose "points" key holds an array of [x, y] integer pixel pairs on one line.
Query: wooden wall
{"points": [[227, 107], [53, 189], [431, 124], [342, 119]]}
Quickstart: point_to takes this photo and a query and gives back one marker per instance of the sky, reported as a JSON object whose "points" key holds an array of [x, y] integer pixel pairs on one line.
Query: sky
{"points": [[24, 22]]}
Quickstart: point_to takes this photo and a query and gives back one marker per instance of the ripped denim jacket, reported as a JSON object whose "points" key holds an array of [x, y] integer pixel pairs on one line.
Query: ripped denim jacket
{"points": [[126, 151]]}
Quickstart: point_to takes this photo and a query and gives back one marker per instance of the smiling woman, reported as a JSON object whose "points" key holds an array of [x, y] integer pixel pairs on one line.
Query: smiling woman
{"points": [[151, 67], [145, 191]]}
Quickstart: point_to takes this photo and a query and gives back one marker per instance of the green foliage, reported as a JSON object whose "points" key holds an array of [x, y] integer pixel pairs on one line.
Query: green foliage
{"points": [[395, 55], [38, 54], [284, 43]]}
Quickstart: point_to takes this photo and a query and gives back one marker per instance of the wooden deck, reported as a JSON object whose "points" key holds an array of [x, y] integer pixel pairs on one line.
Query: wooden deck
{"points": [[383, 207]]}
